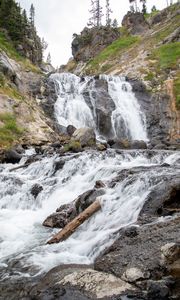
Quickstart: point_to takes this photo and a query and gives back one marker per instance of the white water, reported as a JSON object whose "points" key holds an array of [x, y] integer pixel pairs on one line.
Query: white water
{"points": [[23, 238], [127, 109], [72, 109]]}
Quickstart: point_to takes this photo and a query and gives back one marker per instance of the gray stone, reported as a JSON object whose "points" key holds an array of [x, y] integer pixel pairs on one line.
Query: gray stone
{"points": [[85, 136]]}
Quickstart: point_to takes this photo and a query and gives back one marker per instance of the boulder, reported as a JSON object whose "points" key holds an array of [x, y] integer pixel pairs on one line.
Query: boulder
{"points": [[67, 212], [138, 145], [12, 157], [70, 129], [36, 189], [86, 136], [135, 23]]}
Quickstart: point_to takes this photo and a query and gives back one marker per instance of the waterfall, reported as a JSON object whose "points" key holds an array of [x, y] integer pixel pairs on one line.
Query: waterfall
{"points": [[22, 236], [74, 107]]}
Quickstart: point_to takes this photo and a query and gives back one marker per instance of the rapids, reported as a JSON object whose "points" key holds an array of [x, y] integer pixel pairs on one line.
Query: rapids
{"points": [[22, 236]]}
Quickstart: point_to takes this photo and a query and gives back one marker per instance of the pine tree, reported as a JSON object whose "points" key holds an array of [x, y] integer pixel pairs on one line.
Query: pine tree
{"points": [[115, 23], [144, 8], [48, 60], [96, 14], [32, 15], [92, 19], [108, 13], [134, 6]]}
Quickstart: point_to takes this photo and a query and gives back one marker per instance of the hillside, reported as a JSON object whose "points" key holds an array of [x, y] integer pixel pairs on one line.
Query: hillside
{"points": [[151, 55]]}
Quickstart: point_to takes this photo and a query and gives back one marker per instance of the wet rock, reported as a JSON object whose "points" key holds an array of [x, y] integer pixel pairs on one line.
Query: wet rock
{"points": [[63, 215], [12, 157], [66, 213], [36, 189], [164, 200], [101, 147], [56, 145], [141, 251], [99, 184], [87, 198], [104, 105], [157, 290], [85, 136], [138, 145], [70, 129], [58, 165]]}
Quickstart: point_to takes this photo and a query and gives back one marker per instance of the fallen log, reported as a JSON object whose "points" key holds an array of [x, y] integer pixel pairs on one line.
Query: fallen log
{"points": [[19, 167], [69, 229]]}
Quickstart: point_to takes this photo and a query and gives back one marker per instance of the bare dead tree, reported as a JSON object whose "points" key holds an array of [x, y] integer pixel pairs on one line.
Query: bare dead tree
{"points": [[108, 13]]}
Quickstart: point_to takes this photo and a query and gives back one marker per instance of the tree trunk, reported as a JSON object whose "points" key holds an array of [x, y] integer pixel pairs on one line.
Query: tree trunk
{"points": [[69, 229]]}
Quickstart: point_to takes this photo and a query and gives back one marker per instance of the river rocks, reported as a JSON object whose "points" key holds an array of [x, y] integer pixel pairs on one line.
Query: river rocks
{"points": [[13, 157], [71, 129], [85, 136], [36, 189], [142, 251], [135, 23], [96, 284], [127, 144], [67, 212], [170, 252], [133, 275]]}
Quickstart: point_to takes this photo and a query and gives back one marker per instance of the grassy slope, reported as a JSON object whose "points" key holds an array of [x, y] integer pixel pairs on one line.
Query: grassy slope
{"points": [[124, 56]]}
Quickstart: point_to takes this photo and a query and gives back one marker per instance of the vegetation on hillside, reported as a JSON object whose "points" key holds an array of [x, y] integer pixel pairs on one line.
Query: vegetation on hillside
{"points": [[19, 31], [9, 130]]}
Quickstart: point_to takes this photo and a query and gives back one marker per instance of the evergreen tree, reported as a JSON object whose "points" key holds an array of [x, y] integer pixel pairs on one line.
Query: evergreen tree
{"points": [[96, 14], [153, 8], [144, 8], [92, 19], [108, 13], [133, 6], [49, 59], [115, 23], [32, 15]]}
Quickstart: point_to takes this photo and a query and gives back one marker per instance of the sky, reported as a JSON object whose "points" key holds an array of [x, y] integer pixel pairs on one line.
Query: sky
{"points": [[57, 20]]}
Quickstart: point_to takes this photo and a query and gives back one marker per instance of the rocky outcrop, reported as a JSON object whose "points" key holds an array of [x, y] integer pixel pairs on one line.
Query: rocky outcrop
{"points": [[135, 23], [91, 41]]}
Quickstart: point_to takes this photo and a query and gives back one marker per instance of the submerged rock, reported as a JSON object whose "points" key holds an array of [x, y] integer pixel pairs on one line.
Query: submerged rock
{"points": [[12, 157]]}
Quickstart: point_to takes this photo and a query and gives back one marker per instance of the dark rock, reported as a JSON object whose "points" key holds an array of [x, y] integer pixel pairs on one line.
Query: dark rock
{"points": [[12, 157], [99, 184], [135, 23], [71, 129], [56, 145], [58, 165], [66, 213], [36, 189], [141, 251], [104, 106], [138, 145], [87, 198], [157, 290]]}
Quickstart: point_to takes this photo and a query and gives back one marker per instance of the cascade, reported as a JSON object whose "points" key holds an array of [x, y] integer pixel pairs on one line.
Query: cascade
{"points": [[22, 236], [73, 108]]}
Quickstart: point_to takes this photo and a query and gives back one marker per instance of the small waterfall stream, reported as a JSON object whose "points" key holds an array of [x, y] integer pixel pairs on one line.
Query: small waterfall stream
{"points": [[71, 107]]}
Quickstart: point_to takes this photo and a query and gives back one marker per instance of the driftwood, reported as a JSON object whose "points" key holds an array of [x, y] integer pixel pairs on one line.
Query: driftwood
{"points": [[68, 230], [20, 167]]}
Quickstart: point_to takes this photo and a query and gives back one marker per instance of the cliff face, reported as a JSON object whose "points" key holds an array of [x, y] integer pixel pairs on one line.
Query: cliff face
{"points": [[21, 118], [147, 51]]}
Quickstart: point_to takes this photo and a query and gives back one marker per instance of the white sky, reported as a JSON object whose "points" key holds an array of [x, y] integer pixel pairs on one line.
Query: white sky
{"points": [[57, 20]]}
